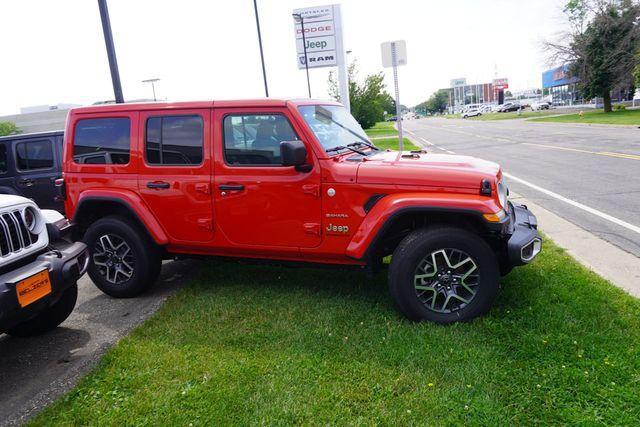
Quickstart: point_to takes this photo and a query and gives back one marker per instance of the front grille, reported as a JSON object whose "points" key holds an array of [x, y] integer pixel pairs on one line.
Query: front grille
{"points": [[14, 235]]}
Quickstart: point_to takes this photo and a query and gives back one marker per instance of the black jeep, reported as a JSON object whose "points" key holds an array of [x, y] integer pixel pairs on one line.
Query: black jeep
{"points": [[29, 166]]}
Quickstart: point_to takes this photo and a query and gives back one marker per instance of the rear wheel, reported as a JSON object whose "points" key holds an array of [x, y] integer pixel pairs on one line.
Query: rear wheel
{"points": [[50, 318], [124, 261], [444, 275]]}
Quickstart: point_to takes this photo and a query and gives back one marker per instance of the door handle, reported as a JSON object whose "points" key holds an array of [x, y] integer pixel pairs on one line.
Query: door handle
{"points": [[27, 182], [158, 185], [231, 187]]}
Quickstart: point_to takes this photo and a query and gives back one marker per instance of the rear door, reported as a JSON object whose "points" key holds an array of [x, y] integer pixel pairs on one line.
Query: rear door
{"points": [[35, 162], [175, 172]]}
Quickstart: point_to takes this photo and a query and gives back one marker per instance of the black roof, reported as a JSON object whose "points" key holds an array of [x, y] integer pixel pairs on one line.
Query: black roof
{"points": [[31, 135]]}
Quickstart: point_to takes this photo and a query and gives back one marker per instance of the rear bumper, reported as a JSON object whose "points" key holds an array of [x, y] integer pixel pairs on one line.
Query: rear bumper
{"points": [[65, 264], [524, 243]]}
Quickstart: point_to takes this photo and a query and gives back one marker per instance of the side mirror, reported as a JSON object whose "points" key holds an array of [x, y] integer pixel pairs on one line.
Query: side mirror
{"points": [[293, 153]]}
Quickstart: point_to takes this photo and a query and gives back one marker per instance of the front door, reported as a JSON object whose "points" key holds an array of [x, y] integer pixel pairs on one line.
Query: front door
{"points": [[175, 172], [257, 200], [36, 170]]}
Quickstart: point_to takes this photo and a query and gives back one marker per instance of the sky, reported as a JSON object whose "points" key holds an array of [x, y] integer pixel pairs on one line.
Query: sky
{"points": [[53, 52]]}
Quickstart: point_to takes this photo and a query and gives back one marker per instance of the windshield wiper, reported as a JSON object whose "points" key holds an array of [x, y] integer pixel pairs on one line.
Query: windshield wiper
{"points": [[366, 144], [347, 147]]}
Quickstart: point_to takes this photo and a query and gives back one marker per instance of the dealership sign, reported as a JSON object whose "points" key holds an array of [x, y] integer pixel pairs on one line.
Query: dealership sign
{"points": [[458, 82], [320, 32], [501, 84]]}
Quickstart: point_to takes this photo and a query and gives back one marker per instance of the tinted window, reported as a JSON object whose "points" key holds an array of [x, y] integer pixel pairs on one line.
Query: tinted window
{"points": [[110, 138], [174, 140], [3, 158], [34, 155], [255, 139]]}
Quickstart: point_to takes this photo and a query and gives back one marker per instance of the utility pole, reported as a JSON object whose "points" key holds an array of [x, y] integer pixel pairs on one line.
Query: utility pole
{"points": [[264, 70], [111, 51]]}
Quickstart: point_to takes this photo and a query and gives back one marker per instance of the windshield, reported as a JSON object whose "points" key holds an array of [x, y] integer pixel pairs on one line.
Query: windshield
{"points": [[333, 125]]}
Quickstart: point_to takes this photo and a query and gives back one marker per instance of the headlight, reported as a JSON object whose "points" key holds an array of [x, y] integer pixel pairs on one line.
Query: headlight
{"points": [[30, 218], [503, 193]]}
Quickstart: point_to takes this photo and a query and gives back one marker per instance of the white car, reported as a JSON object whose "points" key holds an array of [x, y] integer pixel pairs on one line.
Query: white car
{"points": [[537, 106], [473, 112], [38, 267]]}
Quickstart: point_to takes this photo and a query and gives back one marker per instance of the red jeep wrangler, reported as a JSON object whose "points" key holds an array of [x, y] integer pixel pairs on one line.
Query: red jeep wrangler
{"points": [[291, 181]]}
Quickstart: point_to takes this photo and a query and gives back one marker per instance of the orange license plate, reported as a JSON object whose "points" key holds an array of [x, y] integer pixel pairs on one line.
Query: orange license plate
{"points": [[33, 288]]}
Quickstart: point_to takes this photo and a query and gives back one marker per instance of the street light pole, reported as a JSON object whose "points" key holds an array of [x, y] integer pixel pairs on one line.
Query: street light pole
{"points": [[264, 70], [304, 47], [153, 87], [111, 51]]}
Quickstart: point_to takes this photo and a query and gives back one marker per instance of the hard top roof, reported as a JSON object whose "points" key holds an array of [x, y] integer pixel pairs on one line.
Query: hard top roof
{"points": [[31, 135], [261, 102]]}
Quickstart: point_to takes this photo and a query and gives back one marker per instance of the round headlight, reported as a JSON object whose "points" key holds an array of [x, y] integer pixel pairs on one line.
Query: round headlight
{"points": [[503, 193], [30, 218]]}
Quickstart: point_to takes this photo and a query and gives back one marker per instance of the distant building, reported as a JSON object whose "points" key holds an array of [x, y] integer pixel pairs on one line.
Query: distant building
{"points": [[561, 86], [43, 108], [460, 93]]}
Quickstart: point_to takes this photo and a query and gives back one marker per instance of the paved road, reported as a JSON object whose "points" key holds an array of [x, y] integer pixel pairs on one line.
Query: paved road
{"points": [[589, 175], [34, 371]]}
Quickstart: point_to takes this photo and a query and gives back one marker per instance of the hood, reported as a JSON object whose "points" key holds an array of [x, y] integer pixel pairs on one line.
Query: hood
{"points": [[7, 200], [427, 169]]}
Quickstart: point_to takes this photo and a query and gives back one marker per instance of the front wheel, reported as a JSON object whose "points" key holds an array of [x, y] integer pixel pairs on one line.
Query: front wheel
{"points": [[49, 318], [124, 261], [443, 274]]}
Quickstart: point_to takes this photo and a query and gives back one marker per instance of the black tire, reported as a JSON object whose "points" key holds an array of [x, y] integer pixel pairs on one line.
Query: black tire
{"points": [[410, 255], [50, 318], [143, 258]]}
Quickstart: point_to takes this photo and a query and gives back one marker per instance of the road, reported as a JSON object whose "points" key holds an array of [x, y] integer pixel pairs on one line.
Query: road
{"points": [[589, 175], [35, 371]]}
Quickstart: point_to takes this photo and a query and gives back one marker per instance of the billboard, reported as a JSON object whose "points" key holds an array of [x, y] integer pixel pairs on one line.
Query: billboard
{"points": [[558, 76], [320, 32], [501, 84]]}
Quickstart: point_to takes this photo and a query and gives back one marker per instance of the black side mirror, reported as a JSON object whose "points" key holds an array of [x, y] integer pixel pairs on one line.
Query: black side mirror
{"points": [[293, 153]]}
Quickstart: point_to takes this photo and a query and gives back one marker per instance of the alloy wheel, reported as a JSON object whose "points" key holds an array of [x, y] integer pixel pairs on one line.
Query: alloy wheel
{"points": [[113, 258], [446, 280]]}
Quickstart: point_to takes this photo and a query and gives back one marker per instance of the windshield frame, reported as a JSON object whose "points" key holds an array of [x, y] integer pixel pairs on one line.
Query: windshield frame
{"points": [[356, 133]]}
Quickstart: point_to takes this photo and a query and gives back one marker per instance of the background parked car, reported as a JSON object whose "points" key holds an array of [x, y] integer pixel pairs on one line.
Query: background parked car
{"points": [[474, 112], [509, 106], [537, 106], [29, 166]]}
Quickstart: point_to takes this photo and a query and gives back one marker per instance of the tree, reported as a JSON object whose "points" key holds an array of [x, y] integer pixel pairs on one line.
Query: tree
{"points": [[437, 103], [8, 128], [601, 45], [369, 99]]}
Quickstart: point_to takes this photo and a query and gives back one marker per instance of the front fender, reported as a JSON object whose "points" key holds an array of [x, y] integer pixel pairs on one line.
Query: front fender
{"points": [[389, 207], [129, 200]]}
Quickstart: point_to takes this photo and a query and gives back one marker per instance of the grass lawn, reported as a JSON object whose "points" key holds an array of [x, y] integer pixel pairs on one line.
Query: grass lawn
{"points": [[392, 144], [382, 129], [255, 345], [622, 117]]}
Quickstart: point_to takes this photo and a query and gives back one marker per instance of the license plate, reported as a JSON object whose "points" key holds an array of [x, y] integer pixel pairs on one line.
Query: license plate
{"points": [[33, 288]]}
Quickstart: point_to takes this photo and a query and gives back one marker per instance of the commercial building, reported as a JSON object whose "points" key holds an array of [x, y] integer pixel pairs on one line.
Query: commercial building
{"points": [[461, 94], [561, 86]]}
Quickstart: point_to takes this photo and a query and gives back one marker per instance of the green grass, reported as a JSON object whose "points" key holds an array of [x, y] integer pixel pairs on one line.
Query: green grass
{"points": [[392, 144], [382, 129], [256, 345], [622, 117]]}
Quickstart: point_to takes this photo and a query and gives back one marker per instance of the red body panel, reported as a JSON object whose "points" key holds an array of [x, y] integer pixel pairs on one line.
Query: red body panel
{"points": [[281, 213]]}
